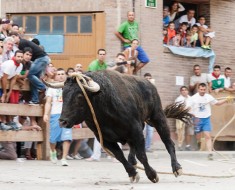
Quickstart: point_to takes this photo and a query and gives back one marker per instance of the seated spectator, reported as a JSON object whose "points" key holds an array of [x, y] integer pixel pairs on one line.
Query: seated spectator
{"points": [[69, 71], [183, 32], [194, 36], [180, 126], [175, 9], [205, 33], [120, 64], [227, 81], [177, 39], [188, 39], [197, 78], [166, 18], [188, 18], [170, 34], [216, 80]]}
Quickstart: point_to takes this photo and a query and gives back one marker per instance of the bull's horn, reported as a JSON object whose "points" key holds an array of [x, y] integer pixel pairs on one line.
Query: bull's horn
{"points": [[92, 86], [54, 85]]}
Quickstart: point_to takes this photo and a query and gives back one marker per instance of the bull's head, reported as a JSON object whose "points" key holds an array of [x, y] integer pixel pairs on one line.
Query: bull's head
{"points": [[75, 107]]}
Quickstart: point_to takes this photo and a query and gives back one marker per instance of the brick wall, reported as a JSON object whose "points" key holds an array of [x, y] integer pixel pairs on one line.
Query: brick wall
{"points": [[163, 66]]}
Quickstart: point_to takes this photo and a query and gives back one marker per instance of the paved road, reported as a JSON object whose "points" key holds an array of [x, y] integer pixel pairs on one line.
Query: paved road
{"points": [[106, 175]]}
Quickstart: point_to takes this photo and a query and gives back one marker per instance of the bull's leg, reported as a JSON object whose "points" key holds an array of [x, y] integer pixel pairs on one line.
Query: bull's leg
{"points": [[131, 156], [118, 153], [160, 124], [138, 143]]}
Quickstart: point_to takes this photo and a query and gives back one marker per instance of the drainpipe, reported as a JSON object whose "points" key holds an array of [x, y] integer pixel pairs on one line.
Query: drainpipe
{"points": [[133, 5]]}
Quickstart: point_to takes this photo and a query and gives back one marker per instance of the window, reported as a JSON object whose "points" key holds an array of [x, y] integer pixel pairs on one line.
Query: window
{"points": [[44, 24], [58, 25], [72, 24], [86, 24], [55, 24], [30, 24]]}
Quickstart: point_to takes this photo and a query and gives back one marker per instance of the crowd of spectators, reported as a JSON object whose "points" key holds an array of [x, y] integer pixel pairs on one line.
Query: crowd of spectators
{"points": [[25, 60], [198, 98], [184, 30]]}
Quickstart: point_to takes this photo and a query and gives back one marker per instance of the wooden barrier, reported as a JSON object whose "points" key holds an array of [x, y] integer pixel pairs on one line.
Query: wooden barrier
{"points": [[42, 137], [221, 116]]}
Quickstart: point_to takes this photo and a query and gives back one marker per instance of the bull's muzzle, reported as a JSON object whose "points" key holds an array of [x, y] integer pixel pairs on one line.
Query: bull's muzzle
{"points": [[63, 123]]}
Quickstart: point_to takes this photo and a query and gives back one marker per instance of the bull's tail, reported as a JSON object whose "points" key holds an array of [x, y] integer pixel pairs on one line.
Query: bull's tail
{"points": [[178, 111]]}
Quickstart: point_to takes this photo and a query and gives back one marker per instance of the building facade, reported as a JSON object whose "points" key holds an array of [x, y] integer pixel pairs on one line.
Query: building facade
{"points": [[104, 18]]}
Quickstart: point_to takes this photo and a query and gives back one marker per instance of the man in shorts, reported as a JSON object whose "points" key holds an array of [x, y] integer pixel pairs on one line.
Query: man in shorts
{"points": [[200, 104], [53, 108], [127, 32]]}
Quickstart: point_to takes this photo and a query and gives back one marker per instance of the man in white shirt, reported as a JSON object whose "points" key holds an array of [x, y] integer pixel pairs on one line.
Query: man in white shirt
{"points": [[9, 71], [200, 104], [189, 18], [180, 126], [227, 80]]}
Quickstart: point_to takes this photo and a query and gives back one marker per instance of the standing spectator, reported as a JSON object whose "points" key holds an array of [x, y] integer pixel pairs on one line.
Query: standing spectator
{"points": [[227, 81], [201, 109], [197, 78], [148, 129], [40, 62], [53, 108], [170, 34], [69, 71], [78, 68], [15, 28], [4, 28], [9, 71], [216, 80], [205, 33], [8, 52], [175, 8], [180, 126], [98, 64], [127, 32], [189, 18], [166, 17]]}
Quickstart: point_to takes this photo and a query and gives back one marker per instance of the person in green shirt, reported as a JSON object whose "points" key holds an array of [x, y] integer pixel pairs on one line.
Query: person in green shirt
{"points": [[98, 64], [127, 32]]}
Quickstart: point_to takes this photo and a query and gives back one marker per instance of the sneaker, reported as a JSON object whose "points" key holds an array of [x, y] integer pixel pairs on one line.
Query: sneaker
{"points": [[180, 149], [31, 103], [204, 47], [208, 47], [92, 160], [64, 162], [188, 148], [210, 157], [77, 157], [53, 157], [68, 157], [5, 127]]}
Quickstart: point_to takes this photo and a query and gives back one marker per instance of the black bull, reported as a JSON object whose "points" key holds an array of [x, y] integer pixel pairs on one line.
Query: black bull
{"points": [[122, 105]]}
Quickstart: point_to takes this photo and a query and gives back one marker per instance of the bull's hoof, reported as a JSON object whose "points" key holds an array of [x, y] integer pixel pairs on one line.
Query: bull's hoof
{"points": [[155, 180], [179, 172], [135, 178]]}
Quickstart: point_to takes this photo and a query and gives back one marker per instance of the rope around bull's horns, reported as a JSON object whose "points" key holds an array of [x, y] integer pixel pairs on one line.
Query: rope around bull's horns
{"points": [[139, 167]]}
